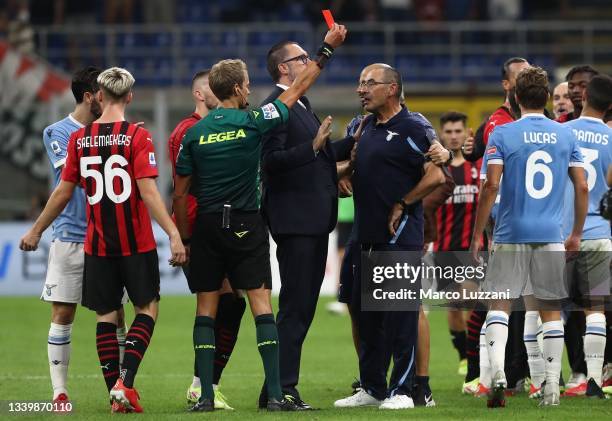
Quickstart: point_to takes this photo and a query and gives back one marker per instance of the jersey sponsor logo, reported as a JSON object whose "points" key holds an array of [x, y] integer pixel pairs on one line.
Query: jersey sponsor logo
{"points": [[222, 137], [492, 150], [270, 112], [55, 147], [152, 159], [390, 135]]}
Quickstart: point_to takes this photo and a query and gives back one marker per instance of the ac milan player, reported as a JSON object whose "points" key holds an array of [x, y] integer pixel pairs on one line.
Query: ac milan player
{"points": [[506, 113], [231, 307], [115, 163], [454, 222], [577, 80]]}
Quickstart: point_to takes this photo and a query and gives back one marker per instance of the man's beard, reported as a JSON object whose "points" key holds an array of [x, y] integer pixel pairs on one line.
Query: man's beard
{"points": [[514, 107]]}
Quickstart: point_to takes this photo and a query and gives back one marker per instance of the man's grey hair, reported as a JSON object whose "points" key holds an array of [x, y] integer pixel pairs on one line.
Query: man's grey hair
{"points": [[116, 81]]}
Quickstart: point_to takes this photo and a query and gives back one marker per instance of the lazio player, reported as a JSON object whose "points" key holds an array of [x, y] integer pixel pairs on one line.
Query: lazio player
{"points": [[589, 271], [221, 154], [535, 155]]}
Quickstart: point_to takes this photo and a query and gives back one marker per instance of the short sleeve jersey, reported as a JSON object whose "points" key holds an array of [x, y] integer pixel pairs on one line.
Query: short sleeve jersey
{"points": [[107, 159], [71, 224], [222, 154], [174, 146], [536, 153], [593, 138], [389, 163]]}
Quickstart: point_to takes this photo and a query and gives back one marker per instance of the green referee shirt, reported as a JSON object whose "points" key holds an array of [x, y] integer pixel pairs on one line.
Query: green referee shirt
{"points": [[222, 154]]}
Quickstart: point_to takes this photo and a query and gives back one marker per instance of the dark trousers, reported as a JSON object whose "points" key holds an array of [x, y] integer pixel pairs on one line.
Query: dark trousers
{"points": [[301, 261], [385, 335]]}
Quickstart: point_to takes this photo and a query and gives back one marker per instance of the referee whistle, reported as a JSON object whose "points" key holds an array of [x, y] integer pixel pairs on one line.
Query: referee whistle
{"points": [[225, 224]]}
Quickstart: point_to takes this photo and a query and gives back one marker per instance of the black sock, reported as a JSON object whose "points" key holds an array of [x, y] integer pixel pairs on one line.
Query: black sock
{"points": [[267, 343], [108, 352], [472, 343], [204, 346], [608, 351], [459, 342], [136, 344], [227, 325]]}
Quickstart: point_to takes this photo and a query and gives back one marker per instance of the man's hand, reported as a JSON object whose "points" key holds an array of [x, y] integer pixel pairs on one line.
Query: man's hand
{"points": [[179, 255], [475, 247], [438, 154], [322, 136], [468, 146], [572, 246], [394, 218], [345, 187], [29, 242], [335, 36]]}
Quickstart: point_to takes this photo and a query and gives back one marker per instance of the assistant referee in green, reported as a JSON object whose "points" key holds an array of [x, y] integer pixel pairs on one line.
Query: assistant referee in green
{"points": [[219, 163]]}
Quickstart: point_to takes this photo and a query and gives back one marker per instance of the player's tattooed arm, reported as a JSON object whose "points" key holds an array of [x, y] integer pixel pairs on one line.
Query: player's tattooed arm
{"points": [[488, 193], [151, 197], [55, 205], [581, 204]]}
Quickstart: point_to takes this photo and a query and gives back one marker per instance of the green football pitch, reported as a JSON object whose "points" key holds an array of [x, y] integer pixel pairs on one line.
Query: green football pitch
{"points": [[328, 367]]}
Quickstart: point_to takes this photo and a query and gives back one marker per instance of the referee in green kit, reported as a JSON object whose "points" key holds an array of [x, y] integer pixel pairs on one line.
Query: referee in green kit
{"points": [[219, 163]]}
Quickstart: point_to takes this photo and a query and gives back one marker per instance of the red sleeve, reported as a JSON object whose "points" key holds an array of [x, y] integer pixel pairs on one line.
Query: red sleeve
{"points": [[498, 118], [71, 171], [145, 163]]}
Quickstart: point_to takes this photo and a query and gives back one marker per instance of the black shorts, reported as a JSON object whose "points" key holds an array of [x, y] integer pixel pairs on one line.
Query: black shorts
{"points": [[241, 252], [105, 277]]}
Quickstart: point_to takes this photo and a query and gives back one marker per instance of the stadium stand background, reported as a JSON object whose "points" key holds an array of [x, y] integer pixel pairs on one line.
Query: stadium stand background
{"points": [[449, 53]]}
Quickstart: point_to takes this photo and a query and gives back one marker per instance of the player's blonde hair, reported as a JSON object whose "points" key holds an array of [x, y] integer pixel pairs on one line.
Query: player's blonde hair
{"points": [[225, 75], [116, 82]]}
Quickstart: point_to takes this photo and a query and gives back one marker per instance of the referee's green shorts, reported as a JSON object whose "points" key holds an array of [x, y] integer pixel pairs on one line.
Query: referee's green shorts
{"points": [[242, 253]]}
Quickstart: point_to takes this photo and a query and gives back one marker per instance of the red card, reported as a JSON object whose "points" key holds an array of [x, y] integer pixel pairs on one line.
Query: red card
{"points": [[329, 19]]}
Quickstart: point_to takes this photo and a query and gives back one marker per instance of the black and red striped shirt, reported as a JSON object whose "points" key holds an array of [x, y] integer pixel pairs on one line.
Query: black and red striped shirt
{"points": [[456, 217], [107, 159]]}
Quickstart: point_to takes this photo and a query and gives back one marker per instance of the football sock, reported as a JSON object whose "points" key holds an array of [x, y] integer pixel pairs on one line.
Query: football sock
{"points": [[553, 350], [496, 337], [121, 331], [204, 346], [459, 339], [58, 351], [108, 352], [196, 382], [535, 359], [595, 345], [227, 325], [483, 358], [136, 344], [472, 342], [267, 343], [608, 352]]}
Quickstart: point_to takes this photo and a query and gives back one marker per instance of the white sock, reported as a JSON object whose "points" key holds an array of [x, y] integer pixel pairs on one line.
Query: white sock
{"points": [[58, 351], [535, 359], [496, 337], [553, 350], [196, 382], [595, 345], [121, 333], [483, 358]]}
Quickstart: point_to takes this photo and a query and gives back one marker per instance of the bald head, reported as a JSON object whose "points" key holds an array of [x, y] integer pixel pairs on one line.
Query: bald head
{"points": [[380, 86], [562, 103]]}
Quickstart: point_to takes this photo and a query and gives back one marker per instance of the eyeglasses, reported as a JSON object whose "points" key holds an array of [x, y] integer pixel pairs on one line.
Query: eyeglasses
{"points": [[369, 84], [302, 57]]}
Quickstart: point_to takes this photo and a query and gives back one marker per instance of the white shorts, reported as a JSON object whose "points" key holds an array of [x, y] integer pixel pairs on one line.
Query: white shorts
{"points": [[589, 272], [64, 282], [527, 269]]}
